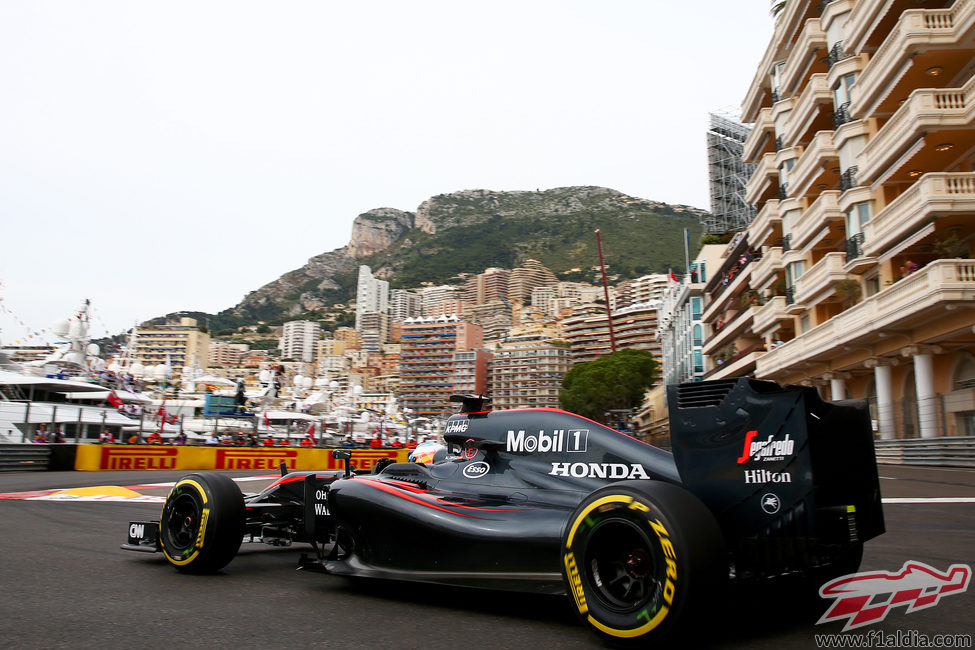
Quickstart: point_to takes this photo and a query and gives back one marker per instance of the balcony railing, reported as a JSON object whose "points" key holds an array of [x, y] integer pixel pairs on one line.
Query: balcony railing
{"points": [[836, 54], [790, 295], [783, 191], [854, 247], [848, 179], [786, 242], [842, 115]]}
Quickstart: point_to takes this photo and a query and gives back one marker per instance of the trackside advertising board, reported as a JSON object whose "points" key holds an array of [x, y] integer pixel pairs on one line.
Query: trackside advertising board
{"points": [[95, 458]]}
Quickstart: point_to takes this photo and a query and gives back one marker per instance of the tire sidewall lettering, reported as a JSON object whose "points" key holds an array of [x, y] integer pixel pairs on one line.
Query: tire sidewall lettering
{"points": [[199, 493], [657, 529]]}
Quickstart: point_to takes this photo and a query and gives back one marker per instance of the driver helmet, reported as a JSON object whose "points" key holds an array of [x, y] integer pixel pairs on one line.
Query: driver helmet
{"points": [[428, 453]]}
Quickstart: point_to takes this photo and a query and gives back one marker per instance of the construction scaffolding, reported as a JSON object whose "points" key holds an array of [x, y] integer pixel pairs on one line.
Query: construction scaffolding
{"points": [[728, 175]]}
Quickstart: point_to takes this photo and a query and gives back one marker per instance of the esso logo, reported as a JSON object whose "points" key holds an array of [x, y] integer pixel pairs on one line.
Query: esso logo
{"points": [[476, 470]]}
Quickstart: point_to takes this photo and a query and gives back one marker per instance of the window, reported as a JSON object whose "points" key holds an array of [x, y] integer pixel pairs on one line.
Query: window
{"points": [[696, 308], [841, 93], [856, 217], [792, 272]]}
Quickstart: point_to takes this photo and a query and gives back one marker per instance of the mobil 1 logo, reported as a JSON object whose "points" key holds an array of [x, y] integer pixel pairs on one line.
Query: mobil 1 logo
{"points": [[557, 440]]}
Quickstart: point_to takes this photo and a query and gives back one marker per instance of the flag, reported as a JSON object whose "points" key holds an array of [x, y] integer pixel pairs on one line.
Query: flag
{"points": [[672, 277], [114, 399], [311, 429], [267, 422]]}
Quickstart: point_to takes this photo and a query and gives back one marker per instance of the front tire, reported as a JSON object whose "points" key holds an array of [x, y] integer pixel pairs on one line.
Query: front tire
{"points": [[640, 559], [202, 523]]}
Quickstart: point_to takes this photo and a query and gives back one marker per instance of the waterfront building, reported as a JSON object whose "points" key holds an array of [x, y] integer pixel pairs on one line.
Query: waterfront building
{"points": [[863, 273], [174, 344]]}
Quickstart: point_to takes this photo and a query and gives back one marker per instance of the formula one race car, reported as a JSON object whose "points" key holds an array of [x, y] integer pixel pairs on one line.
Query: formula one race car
{"points": [[763, 482]]}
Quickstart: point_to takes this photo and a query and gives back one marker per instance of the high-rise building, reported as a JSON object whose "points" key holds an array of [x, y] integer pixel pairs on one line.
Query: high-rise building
{"points": [[374, 330], [427, 362], [299, 340], [527, 369], [862, 272], [487, 286], [433, 296], [372, 295], [526, 277], [404, 304]]}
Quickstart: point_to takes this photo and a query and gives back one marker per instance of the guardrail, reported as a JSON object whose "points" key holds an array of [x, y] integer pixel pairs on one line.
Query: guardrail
{"points": [[24, 458], [935, 452]]}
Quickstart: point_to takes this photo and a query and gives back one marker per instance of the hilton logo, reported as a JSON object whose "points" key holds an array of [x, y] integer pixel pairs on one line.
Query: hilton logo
{"points": [[121, 458]]}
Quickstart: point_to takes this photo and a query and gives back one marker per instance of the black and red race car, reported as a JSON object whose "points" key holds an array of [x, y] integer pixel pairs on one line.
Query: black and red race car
{"points": [[763, 482]]}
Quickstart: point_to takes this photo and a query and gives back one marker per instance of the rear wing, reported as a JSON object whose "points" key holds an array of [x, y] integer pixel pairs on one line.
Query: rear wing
{"points": [[790, 477]]}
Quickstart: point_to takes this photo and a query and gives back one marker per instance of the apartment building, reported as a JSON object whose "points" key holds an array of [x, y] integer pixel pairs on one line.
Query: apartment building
{"points": [[588, 333], [226, 355], [373, 330], [176, 344], [526, 277], [487, 286], [427, 362], [404, 304], [680, 329], [528, 368], [856, 274], [372, 295], [299, 339]]}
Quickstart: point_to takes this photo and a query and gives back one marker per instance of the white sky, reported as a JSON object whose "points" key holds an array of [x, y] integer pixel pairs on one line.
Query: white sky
{"points": [[157, 157]]}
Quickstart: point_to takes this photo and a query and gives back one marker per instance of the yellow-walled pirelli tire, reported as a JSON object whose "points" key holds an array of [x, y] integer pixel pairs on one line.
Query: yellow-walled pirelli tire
{"points": [[641, 561], [202, 523]]}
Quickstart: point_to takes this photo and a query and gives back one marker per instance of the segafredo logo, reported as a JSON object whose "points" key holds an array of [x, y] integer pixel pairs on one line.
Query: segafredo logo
{"points": [[599, 470], [766, 450], [457, 426], [570, 440]]}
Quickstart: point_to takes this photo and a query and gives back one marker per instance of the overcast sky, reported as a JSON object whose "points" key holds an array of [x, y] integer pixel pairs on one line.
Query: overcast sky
{"points": [[157, 157]]}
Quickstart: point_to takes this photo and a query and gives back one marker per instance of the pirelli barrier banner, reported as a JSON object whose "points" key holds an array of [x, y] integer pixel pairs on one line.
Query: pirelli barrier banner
{"points": [[145, 457]]}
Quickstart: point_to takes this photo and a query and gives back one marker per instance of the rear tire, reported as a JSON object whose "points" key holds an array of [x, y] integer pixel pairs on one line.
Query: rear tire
{"points": [[640, 560], [202, 523]]}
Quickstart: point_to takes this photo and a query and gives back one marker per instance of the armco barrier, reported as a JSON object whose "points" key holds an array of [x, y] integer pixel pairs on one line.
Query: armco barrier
{"points": [[262, 459], [24, 457], [933, 452]]}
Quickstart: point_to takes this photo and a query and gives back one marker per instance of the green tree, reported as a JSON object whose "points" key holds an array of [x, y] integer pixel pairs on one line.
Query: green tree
{"points": [[615, 381]]}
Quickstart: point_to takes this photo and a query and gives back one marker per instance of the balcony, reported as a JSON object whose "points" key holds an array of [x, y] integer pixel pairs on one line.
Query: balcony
{"points": [[797, 66], [766, 225], [768, 316], [924, 115], [821, 277], [765, 269], [920, 299], [814, 165], [763, 181], [810, 113], [921, 40], [932, 196], [760, 137], [738, 321], [818, 220]]}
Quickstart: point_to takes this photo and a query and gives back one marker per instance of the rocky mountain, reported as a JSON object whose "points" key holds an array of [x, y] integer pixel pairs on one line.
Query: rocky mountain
{"points": [[468, 231]]}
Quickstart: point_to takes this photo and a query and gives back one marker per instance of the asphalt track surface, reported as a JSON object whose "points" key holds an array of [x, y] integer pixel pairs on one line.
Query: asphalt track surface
{"points": [[66, 584]]}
